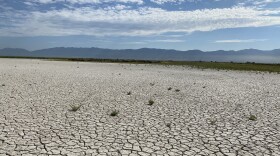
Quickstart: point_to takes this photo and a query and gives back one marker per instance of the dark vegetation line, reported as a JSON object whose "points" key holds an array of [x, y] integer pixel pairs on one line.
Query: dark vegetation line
{"points": [[249, 66]]}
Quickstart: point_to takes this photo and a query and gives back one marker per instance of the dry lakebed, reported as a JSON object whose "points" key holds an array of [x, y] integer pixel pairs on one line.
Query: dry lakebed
{"points": [[85, 108]]}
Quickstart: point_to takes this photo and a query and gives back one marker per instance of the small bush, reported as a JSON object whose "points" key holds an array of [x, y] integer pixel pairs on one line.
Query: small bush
{"points": [[177, 90], [128, 93], [114, 113], [252, 117], [168, 125], [3, 85], [169, 88], [152, 84], [151, 102], [213, 121], [74, 108]]}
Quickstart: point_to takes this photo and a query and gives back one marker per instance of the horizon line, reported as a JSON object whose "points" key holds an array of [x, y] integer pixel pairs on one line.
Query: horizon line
{"points": [[142, 48]]}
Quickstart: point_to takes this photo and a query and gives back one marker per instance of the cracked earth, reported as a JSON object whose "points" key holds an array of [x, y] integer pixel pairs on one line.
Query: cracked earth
{"points": [[195, 112]]}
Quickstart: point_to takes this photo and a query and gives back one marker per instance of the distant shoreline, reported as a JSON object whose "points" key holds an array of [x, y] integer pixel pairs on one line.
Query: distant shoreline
{"points": [[248, 66]]}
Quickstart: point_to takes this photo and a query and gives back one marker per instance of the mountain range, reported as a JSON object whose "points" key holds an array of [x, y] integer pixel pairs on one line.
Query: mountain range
{"points": [[246, 55]]}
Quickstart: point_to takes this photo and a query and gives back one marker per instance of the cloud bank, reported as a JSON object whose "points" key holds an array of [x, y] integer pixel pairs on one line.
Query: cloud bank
{"points": [[123, 20]]}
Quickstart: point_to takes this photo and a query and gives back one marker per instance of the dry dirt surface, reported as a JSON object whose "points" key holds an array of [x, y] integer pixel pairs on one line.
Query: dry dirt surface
{"points": [[195, 112]]}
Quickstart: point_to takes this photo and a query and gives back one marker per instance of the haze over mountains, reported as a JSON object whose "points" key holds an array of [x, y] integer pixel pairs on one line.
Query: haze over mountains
{"points": [[247, 55]]}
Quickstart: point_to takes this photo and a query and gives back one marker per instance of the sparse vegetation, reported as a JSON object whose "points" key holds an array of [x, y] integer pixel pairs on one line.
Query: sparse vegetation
{"points": [[249, 66], [114, 113], [75, 108], [229, 66], [151, 102], [252, 117], [152, 84]]}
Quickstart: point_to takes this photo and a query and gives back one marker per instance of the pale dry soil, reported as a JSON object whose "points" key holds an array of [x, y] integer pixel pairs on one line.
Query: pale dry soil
{"points": [[208, 116]]}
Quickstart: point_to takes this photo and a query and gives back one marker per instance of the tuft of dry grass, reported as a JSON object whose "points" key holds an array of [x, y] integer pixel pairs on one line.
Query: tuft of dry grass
{"points": [[213, 121], [252, 117], [168, 125], [151, 102], [114, 113]]}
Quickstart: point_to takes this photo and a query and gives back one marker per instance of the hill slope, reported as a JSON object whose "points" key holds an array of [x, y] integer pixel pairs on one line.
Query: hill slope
{"points": [[251, 55]]}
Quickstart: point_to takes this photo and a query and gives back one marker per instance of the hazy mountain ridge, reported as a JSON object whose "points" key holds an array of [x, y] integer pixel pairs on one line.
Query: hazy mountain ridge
{"points": [[252, 55]]}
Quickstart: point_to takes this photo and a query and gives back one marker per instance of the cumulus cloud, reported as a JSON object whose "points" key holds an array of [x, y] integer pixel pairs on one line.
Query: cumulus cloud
{"points": [[131, 22]]}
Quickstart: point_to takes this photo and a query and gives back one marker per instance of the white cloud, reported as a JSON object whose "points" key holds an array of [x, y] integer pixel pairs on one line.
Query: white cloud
{"points": [[241, 41], [122, 21], [256, 3], [86, 1], [263, 2], [177, 1], [117, 7], [166, 1]]}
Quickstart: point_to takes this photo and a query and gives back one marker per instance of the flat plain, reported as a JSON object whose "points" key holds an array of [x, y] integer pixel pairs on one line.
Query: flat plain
{"points": [[83, 108]]}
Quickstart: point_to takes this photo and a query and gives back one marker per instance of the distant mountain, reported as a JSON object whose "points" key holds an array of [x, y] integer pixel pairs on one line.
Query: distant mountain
{"points": [[14, 52], [246, 55]]}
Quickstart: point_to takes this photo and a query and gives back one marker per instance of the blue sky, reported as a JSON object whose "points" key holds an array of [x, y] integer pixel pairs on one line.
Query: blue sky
{"points": [[122, 24]]}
